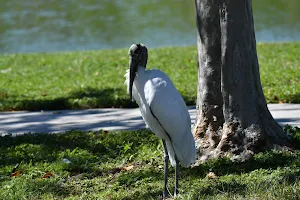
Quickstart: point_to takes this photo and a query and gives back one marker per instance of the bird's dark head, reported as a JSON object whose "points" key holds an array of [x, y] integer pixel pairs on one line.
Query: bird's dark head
{"points": [[138, 56]]}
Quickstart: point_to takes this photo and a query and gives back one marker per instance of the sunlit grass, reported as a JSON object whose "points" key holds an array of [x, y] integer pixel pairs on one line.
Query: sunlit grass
{"points": [[129, 165], [93, 79]]}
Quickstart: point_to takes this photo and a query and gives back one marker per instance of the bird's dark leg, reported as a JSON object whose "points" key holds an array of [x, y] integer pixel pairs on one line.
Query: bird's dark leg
{"points": [[166, 157], [176, 178]]}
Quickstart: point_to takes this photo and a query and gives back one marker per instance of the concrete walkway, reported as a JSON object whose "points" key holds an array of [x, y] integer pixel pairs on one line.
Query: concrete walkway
{"points": [[107, 119]]}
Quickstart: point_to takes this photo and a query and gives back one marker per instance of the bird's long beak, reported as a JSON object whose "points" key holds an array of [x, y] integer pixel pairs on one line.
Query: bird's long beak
{"points": [[132, 71]]}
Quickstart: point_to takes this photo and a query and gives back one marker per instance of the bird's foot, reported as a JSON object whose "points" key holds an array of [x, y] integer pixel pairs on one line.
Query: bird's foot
{"points": [[166, 194]]}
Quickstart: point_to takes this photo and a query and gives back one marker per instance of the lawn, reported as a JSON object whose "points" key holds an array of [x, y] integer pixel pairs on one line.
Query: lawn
{"points": [[94, 79], [129, 165]]}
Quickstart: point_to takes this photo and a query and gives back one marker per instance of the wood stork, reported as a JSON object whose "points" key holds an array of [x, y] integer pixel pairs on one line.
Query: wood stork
{"points": [[163, 109]]}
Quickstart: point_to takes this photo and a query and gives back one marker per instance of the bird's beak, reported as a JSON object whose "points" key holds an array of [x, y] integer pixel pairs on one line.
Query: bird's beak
{"points": [[132, 71]]}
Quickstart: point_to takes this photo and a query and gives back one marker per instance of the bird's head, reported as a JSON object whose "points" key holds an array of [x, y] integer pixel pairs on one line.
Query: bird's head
{"points": [[138, 56]]}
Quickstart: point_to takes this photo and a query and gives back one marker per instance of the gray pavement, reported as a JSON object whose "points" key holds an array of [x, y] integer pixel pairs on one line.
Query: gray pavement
{"points": [[107, 119]]}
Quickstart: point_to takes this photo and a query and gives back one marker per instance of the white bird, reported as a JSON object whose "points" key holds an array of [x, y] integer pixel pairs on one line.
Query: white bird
{"points": [[163, 110]]}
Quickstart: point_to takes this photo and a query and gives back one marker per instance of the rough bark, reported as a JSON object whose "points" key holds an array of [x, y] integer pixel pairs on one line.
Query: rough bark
{"points": [[232, 115]]}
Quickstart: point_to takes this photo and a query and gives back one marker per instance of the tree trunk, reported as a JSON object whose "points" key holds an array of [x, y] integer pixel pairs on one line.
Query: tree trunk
{"points": [[232, 115]]}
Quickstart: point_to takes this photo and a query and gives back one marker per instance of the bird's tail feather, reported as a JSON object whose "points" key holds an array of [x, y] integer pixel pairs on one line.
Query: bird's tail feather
{"points": [[186, 154]]}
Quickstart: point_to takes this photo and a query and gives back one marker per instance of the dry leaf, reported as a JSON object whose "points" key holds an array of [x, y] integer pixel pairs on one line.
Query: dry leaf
{"points": [[282, 101], [211, 175], [127, 168], [48, 175], [17, 173]]}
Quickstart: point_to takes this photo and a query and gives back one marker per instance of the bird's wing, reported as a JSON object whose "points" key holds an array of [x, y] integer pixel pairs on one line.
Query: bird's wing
{"points": [[170, 110]]}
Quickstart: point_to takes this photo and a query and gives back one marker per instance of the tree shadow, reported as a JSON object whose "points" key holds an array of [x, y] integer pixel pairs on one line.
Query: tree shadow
{"points": [[41, 147], [80, 99], [83, 98], [19, 123], [293, 98], [263, 160]]}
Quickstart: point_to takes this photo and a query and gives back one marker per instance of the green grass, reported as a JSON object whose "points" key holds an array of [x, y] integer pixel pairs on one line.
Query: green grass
{"points": [[97, 170], [94, 79]]}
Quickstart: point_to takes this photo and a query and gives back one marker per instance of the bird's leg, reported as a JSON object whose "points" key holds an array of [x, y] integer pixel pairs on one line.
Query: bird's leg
{"points": [[166, 157], [176, 177]]}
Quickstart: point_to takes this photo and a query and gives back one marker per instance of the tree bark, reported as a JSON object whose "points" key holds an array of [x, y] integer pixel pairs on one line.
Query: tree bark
{"points": [[232, 114]]}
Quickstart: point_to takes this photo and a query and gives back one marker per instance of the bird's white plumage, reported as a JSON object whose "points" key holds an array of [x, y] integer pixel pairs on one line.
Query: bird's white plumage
{"points": [[165, 113]]}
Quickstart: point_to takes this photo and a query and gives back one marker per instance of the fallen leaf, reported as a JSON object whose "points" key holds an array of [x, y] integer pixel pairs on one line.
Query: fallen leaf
{"points": [[127, 168], [211, 175], [17, 173], [48, 175], [282, 101]]}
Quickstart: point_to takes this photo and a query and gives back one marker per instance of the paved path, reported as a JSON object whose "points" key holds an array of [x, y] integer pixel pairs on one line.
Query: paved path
{"points": [[107, 119]]}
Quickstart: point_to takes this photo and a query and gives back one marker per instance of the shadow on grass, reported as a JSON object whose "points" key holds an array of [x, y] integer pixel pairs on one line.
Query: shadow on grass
{"points": [[291, 177], [294, 98], [47, 147], [88, 98], [263, 160], [80, 99]]}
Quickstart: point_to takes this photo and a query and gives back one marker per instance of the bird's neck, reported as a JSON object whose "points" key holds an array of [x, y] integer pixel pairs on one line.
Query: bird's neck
{"points": [[139, 72], [141, 69], [139, 82]]}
